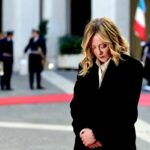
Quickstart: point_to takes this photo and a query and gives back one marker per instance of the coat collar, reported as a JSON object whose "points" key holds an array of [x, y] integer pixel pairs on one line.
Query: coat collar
{"points": [[109, 74]]}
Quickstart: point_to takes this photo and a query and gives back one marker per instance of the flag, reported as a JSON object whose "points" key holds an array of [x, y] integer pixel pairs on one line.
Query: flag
{"points": [[139, 21]]}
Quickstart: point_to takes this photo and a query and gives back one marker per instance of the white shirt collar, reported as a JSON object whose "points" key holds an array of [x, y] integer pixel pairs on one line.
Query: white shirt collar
{"points": [[102, 69], [103, 66]]}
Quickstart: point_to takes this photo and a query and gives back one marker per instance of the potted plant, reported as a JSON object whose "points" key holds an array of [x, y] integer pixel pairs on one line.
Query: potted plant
{"points": [[69, 51], [43, 27]]}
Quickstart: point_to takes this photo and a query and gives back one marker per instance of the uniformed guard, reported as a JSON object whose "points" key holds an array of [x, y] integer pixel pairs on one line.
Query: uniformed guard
{"points": [[6, 47], [37, 47]]}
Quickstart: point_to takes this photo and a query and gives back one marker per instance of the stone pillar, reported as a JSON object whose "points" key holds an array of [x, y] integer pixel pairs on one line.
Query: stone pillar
{"points": [[56, 13]]}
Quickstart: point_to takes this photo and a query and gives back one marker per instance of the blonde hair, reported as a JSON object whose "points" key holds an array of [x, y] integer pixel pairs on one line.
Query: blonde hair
{"points": [[109, 34]]}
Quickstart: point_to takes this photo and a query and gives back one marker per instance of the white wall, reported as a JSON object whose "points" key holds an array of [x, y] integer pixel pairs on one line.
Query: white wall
{"points": [[123, 17], [117, 10], [101, 8]]}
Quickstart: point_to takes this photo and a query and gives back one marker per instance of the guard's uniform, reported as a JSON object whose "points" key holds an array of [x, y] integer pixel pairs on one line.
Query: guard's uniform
{"points": [[35, 59], [6, 47]]}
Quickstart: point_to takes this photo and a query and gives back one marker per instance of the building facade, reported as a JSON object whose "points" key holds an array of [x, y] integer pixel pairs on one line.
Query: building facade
{"points": [[64, 17]]}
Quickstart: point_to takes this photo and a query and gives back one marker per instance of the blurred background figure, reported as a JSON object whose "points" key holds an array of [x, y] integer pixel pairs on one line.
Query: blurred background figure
{"points": [[6, 48], [37, 47], [1, 36], [1, 63], [146, 63]]}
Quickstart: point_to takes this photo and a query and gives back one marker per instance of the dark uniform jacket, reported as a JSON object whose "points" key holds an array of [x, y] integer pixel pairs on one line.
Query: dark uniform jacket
{"points": [[6, 56], [6, 50], [35, 58], [111, 110]]}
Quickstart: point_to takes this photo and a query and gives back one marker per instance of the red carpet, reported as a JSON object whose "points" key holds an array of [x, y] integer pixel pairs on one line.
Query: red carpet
{"points": [[35, 99], [54, 98], [145, 99]]}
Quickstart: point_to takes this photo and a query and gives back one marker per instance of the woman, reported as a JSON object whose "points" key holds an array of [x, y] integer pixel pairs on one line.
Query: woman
{"points": [[107, 90]]}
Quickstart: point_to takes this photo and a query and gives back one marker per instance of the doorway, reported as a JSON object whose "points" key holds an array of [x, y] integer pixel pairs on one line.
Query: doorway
{"points": [[80, 16]]}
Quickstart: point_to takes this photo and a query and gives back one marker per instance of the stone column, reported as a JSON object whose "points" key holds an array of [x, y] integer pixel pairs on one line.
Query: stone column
{"points": [[56, 12]]}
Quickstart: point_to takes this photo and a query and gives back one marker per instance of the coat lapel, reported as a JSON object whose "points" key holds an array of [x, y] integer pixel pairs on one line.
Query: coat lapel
{"points": [[110, 75]]}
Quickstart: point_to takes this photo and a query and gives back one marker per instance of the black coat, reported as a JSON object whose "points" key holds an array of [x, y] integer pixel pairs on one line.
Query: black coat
{"points": [[111, 110]]}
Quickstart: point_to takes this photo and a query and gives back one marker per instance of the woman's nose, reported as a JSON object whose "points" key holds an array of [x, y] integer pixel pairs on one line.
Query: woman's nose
{"points": [[99, 51]]}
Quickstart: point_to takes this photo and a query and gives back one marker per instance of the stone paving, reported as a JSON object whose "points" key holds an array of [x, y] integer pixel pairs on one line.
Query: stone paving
{"points": [[48, 126]]}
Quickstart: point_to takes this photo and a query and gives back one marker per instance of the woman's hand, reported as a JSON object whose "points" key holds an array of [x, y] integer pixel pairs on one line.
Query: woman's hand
{"points": [[88, 138]]}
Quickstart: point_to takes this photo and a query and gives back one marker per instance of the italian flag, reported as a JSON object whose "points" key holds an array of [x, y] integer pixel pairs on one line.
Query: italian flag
{"points": [[139, 22]]}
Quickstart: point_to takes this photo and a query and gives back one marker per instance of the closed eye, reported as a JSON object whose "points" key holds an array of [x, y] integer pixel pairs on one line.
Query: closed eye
{"points": [[102, 45]]}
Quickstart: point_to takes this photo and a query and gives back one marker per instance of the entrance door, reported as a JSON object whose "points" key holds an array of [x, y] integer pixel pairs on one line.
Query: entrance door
{"points": [[80, 15]]}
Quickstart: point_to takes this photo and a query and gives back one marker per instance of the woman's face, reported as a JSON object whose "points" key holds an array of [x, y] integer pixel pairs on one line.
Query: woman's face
{"points": [[100, 49]]}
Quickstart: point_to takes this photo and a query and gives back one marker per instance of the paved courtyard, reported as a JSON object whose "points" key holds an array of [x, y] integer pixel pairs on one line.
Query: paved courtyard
{"points": [[47, 126]]}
